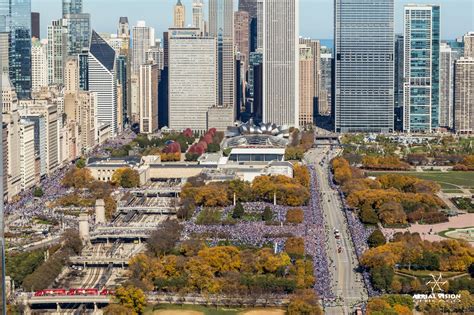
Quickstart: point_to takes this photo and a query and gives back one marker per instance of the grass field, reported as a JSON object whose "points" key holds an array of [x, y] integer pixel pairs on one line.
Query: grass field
{"points": [[449, 181]]}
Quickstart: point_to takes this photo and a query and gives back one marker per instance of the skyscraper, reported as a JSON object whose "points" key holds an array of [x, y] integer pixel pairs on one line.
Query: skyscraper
{"points": [[421, 70], [446, 73], [35, 25], [179, 18], [15, 19], [364, 51], [143, 37], [280, 43], [57, 51], [78, 26], [325, 91], [306, 84], [39, 64], [148, 97], [102, 80], [221, 27], [398, 83], [242, 35], [192, 80], [464, 95], [315, 46], [469, 45], [198, 16], [249, 6]]}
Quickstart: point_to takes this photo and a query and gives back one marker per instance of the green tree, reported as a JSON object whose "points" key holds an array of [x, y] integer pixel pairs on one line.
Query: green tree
{"points": [[376, 238], [368, 216], [132, 298], [238, 212], [81, 163], [382, 277], [38, 192], [267, 214]]}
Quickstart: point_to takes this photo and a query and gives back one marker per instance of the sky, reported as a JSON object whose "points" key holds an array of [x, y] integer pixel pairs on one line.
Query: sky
{"points": [[316, 16]]}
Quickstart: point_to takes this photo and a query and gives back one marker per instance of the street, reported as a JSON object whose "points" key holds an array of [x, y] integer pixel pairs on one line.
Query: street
{"points": [[347, 283]]}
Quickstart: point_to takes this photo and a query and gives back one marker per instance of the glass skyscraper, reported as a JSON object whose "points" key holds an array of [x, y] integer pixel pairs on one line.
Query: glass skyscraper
{"points": [[421, 69], [78, 26], [15, 19], [364, 65]]}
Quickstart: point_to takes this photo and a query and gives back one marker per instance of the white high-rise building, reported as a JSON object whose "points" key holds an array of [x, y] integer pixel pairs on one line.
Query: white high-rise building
{"points": [[143, 38], [102, 81], [39, 64], [198, 16], [148, 97], [57, 51], [446, 78], [27, 153], [464, 95], [280, 42], [192, 81]]}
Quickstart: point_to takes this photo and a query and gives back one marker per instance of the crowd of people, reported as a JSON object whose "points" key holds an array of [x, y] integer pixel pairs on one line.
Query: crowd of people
{"points": [[25, 207], [359, 234]]}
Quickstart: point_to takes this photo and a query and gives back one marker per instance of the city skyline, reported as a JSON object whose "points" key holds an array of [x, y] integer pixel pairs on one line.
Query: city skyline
{"points": [[459, 13]]}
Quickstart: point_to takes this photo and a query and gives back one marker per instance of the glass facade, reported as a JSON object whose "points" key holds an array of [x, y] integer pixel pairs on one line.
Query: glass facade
{"points": [[421, 68], [364, 66], [15, 19], [122, 79], [78, 25]]}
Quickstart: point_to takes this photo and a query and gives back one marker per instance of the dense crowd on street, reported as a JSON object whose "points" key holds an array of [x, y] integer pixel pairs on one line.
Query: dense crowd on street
{"points": [[26, 206], [359, 234]]}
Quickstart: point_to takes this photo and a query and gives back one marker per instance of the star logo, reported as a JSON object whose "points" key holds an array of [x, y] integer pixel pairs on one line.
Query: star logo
{"points": [[435, 283]]}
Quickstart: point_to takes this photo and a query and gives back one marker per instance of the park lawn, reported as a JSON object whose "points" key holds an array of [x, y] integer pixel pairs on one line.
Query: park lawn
{"points": [[443, 233], [447, 180]]}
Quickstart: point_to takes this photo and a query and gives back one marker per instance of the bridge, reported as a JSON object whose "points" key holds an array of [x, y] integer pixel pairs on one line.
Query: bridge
{"points": [[98, 261], [148, 209], [56, 302]]}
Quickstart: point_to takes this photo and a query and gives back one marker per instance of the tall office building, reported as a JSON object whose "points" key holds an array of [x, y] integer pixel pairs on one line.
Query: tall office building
{"points": [[242, 36], [78, 26], [468, 40], [306, 85], [421, 70], [364, 49], [27, 154], [148, 97], [446, 78], [102, 81], [39, 64], [398, 83], [221, 27], [198, 16], [123, 29], [249, 6], [280, 43], [57, 51], [325, 91], [464, 95], [192, 80], [179, 17], [35, 25], [143, 37], [315, 46], [15, 19]]}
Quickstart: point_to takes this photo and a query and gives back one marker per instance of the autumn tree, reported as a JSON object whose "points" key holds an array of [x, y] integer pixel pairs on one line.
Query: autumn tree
{"points": [[131, 298], [164, 238], [77, 178], [126, 177], [294, 216], [295, 246], [117, 309], [304, 302]]}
